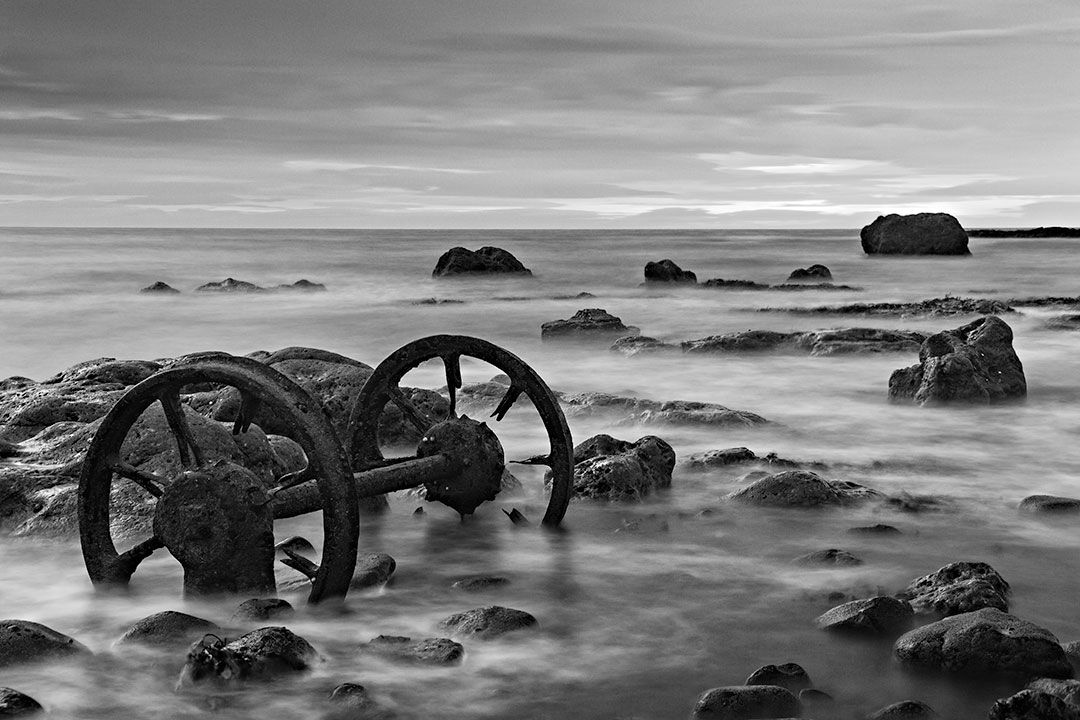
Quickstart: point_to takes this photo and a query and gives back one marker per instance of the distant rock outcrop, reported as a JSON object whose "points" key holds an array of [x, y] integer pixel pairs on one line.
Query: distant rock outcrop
{"points": [[230, 285], [934, 307], [1055, 231], [485, 261], [587, 324], [814, 273], [666, 271], [160, 288], [974, 363], [918, 234]]}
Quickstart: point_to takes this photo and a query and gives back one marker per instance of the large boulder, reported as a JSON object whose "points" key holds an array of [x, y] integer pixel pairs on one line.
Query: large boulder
{"points": [[262, 654], [22, 641], [741, 702], [958, 587], [429, 651], [974, 363], [881, 615], [666, 271], [168, 628], [918, 234], [985, 641], [800, 488], [587, 324], [485, 261], [609, 469], [487, 623]]}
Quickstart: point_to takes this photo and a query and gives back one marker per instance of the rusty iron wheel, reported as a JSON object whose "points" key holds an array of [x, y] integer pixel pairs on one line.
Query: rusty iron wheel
{"points": [[383, 387], [258, 384]]}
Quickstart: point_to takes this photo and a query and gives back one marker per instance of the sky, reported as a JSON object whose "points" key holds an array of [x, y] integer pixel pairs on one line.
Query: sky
{"points": [[554, 114]]}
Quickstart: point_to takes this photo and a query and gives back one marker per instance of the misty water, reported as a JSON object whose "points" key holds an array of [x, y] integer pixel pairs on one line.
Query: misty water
{"points": [[641, 607]]}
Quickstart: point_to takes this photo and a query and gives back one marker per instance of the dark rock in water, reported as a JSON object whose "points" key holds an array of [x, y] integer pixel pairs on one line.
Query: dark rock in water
{"points": [[666, 271], [819, 342], [1050, 504], [230, 285], [160, 288], [263, 609], [789, 675], [351, 701], [738, 702], [882, 615], [587, 324], [918, 234], [437, 301], [805, 286], [1064, 322], [610, 469], [832, 556], [985, 641], [261, 654], [904, 710], [372, 570], [814, 273], [878, 529], [641, 411], [1067, 690], [15, 704], [799, 488], [479, 583], [487, 622], [485, 261], [296, 544], [168, 628], [303, 286], [9, 448], [22, 641], [934, 307], [719, 458], [430, 651], [723, 284], [816, 701], [641, 345], [956, 588], [1054, 231], [1033, 705], [974, 363]]}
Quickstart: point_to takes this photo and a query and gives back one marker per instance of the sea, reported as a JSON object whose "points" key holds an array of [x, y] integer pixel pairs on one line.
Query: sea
{"points": [[641, 607]]}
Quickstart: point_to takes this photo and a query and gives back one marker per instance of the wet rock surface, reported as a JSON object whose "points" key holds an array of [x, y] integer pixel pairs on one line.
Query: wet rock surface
{"points": [[956, 588], [262, 610], [1050, 504], [632, 345], [740, 702], [16, 704], [722, 284], [429, 651], [666, 271], [832, 556], [935, 307], [168, 628], [881, 615], [918, 234], [814, 273], [632, 410], [1067, 690], [800, 488], [904, 710], [230, 285], [161, 288], [974, 363], [23, 641], [372, 570], [1033, 705], [261, 654], [587, 324], [487, 623], [790, 676], [609, 469], [487, 260], [984, 641], [821, 342]]}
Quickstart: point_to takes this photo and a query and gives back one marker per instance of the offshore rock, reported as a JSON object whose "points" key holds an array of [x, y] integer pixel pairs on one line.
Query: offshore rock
{"points": [[641, 411], [230, 285], [791, 676], [631, 346], [741, 702], [587, 324], [302, 285], [985, 641], [974, 363], [880, 615], [904, 710], [168, 628], [160, 288], [485, 261], [429, 651], [934, 307], [800, 488], [666, 271], [723, 284], [956, 588], [23, 641], [1050, 504], [918, 234], [814, 274], [487, 623], [1033, 705], [610, 469], [832, 556], [15, 704], [841, 341]]}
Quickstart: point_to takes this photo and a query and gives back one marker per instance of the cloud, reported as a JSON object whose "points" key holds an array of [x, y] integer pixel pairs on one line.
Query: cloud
{"points": [[342, 166]]}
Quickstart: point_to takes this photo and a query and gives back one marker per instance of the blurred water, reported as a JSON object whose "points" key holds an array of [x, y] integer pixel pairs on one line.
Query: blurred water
{"points": [[642, 607]]}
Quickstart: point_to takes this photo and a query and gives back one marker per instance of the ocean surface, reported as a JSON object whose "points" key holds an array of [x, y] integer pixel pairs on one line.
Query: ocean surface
{"points": [[641, 607]]}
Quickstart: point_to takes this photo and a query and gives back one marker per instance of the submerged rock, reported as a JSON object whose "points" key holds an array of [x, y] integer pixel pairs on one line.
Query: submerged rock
{"points": [[485, 261], [429, 651], [791, 676], [631, 346], [635, 411], [487, 623], [372, 570], [1050, 504], [168, 628], [666, 271], [904, 710], [814, 273], [882, 615], [263, 609], [918, 234], [800, 488], [1031, 704], [160, 288], [832, 556], [15, 704], [985, 641], [479, 583], [302, 285], [610, 469], [739, 702], [23, 641], [587, 324], [935, 307], [261, 654], [974, 363], [723, 284], [956, 588], [820, 342]]}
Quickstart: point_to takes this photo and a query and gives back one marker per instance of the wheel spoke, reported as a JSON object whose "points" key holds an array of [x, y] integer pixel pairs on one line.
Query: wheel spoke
{"points": [[534, 460], [125, 564], [511, 396], [420, 419], [299, 563], [185, 439], [453, 379], [249, 408], [149, 482]]}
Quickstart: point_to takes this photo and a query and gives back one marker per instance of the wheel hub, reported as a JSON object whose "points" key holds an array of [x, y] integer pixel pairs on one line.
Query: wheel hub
{"points": [[480, 454]]}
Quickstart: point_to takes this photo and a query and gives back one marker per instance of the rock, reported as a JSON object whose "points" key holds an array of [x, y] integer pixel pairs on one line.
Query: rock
{"points": [[880, 615], [904, 710], [587, 324], [485, 261], [372, 570], [160, 288], [958, 587], [609, 469], [351, 701], [1033, 705], [168, 628], [807, 286], [814, 273], [721, 283], [935, 307], [634, 411], [666, 271], [261, 654], [789, 675], [719, 458], [487, 623], [975, 363], [1054, 231], [262, 610], [795, 488], [303, 286], [844, 341], [918, 234], [22, 641], [831, 556], [430, 651], [1050, 504], [15, 704], [1067, 690], [230, 285], [984, 641], [1064, 322], [479, 583], [631, 346], [879, 529], [9, 448], [742, 702]]}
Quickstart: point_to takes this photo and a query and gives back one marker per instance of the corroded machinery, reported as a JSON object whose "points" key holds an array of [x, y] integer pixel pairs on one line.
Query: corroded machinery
{"points": [[216, 518]]}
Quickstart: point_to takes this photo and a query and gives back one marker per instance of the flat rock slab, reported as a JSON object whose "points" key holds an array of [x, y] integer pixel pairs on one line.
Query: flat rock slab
{"points": [[984, 641], [882, 615], [23, 641], [956, 588], [480, 583], [429, 651], [934, 307], [743, 702], [168, 628], [487, 623]]}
